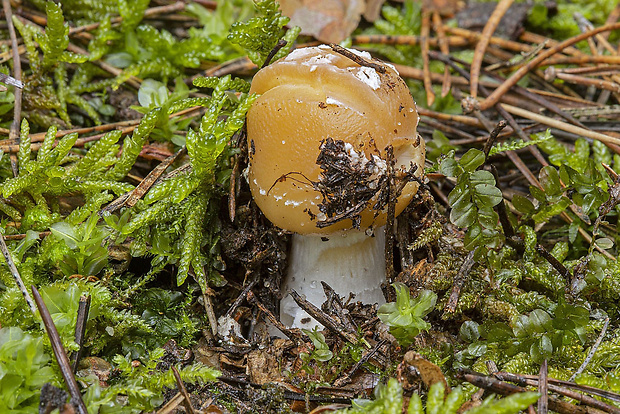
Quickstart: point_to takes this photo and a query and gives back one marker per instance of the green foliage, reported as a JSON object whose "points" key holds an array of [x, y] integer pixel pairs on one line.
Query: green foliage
{"points": [[473, 198], [579, 187], [55, 40], [519, 143], [87, 256], [53, 173], [176, 222], [514, 403], [260, 34], [562, 24], [46, 88], [389, 400], [138, 49], [166, 314], [438, 146], [404, 317], [320, 353], [177, 217], [133, 145], [142, 385], [540, 334], [399, 22], [24, 368]]}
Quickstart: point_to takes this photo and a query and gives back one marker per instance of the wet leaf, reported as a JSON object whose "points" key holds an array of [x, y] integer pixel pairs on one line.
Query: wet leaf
{"points": [[329, 21]]}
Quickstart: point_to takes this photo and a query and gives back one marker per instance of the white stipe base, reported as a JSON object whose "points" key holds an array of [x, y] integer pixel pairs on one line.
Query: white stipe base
{"points": [[350, 263]]}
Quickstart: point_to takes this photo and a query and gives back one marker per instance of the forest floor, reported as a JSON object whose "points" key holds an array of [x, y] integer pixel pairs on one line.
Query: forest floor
{"points": [[140, 275]]}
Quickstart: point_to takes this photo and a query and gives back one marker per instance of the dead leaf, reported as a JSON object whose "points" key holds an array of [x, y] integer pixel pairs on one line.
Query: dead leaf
{"points": [[444, 7], [329, 21], [373, 9], [429, 372], [476, 15], [232, 362], [204, 354], [263, 367]]}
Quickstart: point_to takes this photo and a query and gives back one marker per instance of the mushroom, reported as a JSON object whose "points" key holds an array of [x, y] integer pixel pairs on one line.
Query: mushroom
{"points": [[319, 113]]}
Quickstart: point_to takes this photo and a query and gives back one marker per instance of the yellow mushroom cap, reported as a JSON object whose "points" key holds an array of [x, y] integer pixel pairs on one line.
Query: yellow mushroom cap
{"points": [[313, 94]]}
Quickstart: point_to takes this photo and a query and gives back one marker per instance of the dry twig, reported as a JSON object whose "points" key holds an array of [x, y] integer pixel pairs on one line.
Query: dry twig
{"points": [[60, 353]]}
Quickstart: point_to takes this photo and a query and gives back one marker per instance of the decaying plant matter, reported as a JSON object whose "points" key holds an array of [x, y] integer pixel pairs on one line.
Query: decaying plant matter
{"points": [[128, 224]]}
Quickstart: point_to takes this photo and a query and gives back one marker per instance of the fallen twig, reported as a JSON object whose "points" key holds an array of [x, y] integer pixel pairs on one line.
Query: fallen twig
{"points": [[593, 350], [80, 330], [17, 75], [522, 71], [504, 388], [187, 403], [60, 353], [585, 399], [16, 276], [543, 389], [459, 282], [489, 28]]}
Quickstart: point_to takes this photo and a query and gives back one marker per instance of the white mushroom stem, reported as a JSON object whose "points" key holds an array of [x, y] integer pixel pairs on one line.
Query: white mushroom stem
{"points": [[349, 263]]}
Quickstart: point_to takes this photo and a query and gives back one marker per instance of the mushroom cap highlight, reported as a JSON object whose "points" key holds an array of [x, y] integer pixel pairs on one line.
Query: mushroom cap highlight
{"points": [[307, 97]]}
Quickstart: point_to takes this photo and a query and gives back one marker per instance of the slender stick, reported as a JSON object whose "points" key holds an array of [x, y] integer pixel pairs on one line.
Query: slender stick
{"points": [[557, 265], [410, 40], [186, 400], [281, 43], [153, 11], [293, 334], [543, 390], [324, 319], [503, 388], [16, 276], [389, 225], [445, 49], [80, 330], [489, 28], [524, 70], [493, 40], [526, 380], [210, 313], [357, 58], [17, 74], [241, 297], [424, 33], [459, 281], [59, 352], [561, 125], [346, 378], [592, 351]]}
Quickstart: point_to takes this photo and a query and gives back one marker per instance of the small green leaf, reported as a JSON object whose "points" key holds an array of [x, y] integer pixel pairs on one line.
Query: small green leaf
{"points": [[550, 180], [604, 243], [482, 177], [477, 349], [496, 331], [539, 321], [488, 218], [470, 331], [487, 195], [523, 204], [538, 194], [464, 216], [449, 167], [563, 324], [472, 159], [66, 232]]}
